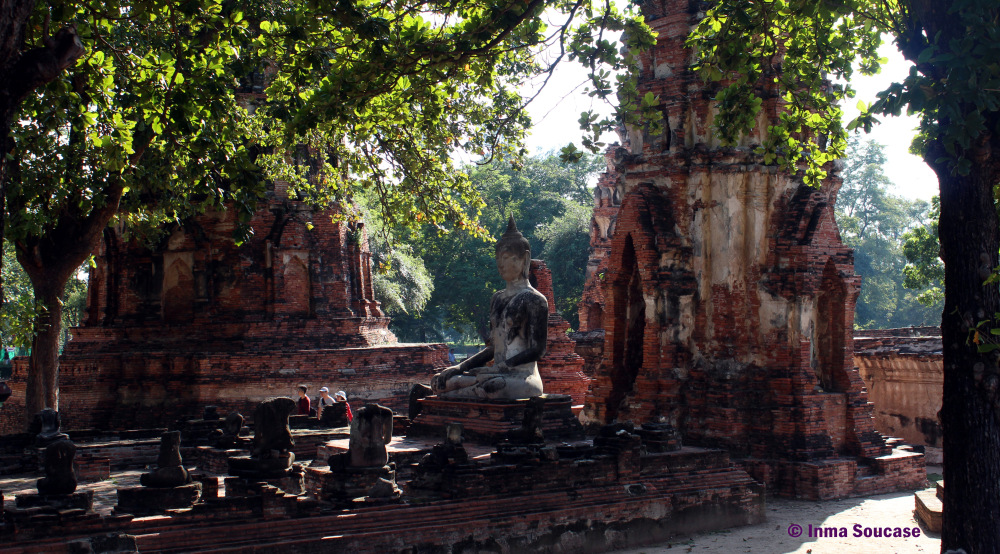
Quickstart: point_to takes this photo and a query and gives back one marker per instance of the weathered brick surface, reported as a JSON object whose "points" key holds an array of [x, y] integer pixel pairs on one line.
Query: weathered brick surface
{"points": [[199, 320], [607, 203], [490, 421], [840, 477], [590, 347], [604, 502], [561, 368], [90, 468], [728, 295], [903, 371]]}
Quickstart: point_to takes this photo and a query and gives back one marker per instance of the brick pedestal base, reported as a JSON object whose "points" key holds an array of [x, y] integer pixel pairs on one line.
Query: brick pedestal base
{"points": [[142, 501], [494, 420]]}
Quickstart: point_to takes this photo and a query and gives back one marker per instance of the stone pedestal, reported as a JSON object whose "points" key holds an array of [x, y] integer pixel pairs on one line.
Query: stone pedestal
{"points": [[293, 483], [346, 484], [659, 437], [262, 469], [494, 420], [32, 510], [142, 501], [334, 415], [83, 500], [215, 460]]}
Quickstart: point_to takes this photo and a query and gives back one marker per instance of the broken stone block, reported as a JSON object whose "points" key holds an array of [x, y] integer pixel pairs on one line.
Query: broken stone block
{"points": [[371, 431], [45, 425]]}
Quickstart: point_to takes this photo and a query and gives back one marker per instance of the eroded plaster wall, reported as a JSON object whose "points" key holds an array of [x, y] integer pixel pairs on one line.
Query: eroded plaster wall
{"points": [[729, 295]]}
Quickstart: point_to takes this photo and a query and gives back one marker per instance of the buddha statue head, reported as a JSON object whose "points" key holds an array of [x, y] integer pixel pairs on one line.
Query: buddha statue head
{"points": [[513, 253]]}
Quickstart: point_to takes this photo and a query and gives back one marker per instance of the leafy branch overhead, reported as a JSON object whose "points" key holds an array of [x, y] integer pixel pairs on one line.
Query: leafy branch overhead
{"points": [[796, 47], [804, 53], [173, 108], [384, 94], [176, 104]]}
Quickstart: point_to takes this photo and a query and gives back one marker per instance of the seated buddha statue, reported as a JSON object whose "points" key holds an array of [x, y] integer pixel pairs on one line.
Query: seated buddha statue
{"points": [[518, 331]]}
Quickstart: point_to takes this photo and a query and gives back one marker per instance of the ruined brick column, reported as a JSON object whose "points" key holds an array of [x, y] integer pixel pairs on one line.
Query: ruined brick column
{"points": [[729, 296], [607, 204], [561, 368]]}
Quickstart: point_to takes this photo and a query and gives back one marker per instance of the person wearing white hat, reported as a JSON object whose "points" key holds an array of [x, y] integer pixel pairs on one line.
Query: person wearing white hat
{"points": [[341, 397], [324, 400]]}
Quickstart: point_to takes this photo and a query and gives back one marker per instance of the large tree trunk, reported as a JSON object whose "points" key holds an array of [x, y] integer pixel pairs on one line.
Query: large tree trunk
{"points": [[50, 260], [43, 370], [970, 412]]}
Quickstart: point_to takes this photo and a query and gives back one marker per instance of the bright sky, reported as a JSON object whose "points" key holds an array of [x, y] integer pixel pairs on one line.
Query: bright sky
{"points": [[556, 111]]}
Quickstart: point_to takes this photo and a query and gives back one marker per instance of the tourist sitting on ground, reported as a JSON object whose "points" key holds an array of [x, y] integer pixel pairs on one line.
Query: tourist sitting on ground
{"points": [[518, 328], [341, 397], [303, 403]]}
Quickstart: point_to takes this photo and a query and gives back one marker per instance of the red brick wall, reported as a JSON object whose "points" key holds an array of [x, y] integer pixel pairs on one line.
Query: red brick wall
{"points": [[155, 389], [903, 371], [199, 320], [607, 203]]}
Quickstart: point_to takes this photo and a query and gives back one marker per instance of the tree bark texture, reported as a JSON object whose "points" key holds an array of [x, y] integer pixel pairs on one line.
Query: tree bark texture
{"points": [[42, 388], [970, 412], [50, 260]]}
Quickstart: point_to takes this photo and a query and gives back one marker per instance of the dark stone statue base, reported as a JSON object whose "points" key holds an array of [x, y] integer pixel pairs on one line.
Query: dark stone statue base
{"points": [[494, 421], [83, 500], [45, 509], [293, 483], [340, 483], [143, 501], [261, 468]]}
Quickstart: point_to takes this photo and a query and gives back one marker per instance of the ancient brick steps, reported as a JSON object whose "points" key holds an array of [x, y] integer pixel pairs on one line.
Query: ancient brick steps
{"points": [[375, 522], [929, 509]]}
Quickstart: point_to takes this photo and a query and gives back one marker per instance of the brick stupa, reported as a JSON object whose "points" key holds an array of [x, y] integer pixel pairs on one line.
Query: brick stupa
{"points": [[561, 367], [198, 321], [607, 204], [729, 298]]}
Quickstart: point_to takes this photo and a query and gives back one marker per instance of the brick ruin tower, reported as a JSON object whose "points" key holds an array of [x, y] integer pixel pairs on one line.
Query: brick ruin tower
{"points": [[197, 320], [561, 367], [729, 298], [607, 204]]}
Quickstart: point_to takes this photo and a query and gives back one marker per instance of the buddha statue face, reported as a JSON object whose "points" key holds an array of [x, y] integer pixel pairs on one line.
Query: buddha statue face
{"points": [[512, 264], [513, 254]]}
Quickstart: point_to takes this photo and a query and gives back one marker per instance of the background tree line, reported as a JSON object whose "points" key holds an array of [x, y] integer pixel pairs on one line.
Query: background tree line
{"points": [[437, 285], [894, 241]]}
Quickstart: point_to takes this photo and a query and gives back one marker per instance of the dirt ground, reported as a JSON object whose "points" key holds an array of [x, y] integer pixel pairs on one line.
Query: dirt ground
{"points": [[773, 537], [786, 518]]}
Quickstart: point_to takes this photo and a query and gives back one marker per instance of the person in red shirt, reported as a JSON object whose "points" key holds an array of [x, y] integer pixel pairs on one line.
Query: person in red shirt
{"points": [[303, 401], [341, 396]]}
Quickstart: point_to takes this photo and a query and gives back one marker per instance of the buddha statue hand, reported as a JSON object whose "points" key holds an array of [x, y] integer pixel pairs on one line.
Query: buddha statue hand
{"points": [[440, 381]]}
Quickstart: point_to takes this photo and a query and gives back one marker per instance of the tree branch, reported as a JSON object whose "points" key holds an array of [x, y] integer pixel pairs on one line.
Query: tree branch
{"points": [[39, 66]]}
